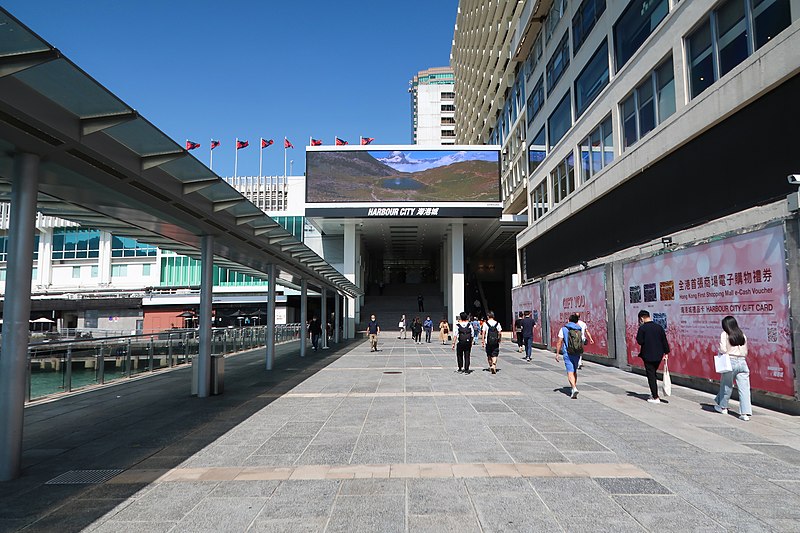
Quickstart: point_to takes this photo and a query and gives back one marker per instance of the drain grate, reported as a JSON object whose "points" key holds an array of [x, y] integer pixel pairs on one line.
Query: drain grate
{"points": [[84, 477], [393, 372]]}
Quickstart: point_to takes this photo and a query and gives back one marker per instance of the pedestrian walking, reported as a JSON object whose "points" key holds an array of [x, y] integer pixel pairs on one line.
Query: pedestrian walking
{"points": [[427, 325], [315, 329], [526, 331], [373, 329], [654, 348], [444, 331], [734, 343], [416, 331], [491, 340], [518, 331], [570, 347], [403, 325], [420, 303], [462, 343], [476, 330]]}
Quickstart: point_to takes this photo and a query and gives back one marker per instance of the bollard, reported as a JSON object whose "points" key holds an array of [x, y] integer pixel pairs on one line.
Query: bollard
{"points": [[101, 365], [128, 360], [150, 353], [225, 342], [68, 372], [28, 372], [169, 350]]}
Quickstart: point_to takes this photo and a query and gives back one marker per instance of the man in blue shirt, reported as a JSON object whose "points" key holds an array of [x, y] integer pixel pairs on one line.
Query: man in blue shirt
{"points": [[571, 347], [527, 324], [427, 325]]}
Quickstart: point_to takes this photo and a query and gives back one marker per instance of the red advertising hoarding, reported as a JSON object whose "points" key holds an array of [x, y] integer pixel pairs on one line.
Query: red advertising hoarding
{"points": [[584, 293], [689, 292], [529, 298]]}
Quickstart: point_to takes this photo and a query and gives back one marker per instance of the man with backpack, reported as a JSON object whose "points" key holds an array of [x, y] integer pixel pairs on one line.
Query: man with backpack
{"points": [[462, 343], [570, 346], [476, 329], [491, 340]]}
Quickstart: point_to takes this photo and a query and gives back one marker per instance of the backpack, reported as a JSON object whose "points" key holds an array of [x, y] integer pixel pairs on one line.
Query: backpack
{"points": [[574, 340], [464, 333], [492, 335]]}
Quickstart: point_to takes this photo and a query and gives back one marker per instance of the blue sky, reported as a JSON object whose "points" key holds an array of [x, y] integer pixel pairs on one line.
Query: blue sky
{"points": [[205, 69]]}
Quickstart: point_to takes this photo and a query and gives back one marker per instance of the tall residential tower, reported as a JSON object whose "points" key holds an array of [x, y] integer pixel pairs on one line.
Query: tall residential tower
{"points": [[433, 106]]}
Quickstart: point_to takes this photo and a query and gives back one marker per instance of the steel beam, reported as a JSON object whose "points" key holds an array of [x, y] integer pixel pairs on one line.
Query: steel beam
{"points": [[273, 279], [204, 321]]}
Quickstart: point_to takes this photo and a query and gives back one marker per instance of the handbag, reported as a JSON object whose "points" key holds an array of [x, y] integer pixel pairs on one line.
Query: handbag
{"points": [[722, 363], [401, 324], [667, 381]]}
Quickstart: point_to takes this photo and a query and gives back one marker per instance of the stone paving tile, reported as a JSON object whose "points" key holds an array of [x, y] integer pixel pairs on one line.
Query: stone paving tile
{"points": [[182, 497], [784, 453], [368, 513], [632, 485], [221, 514], [666, 513]]}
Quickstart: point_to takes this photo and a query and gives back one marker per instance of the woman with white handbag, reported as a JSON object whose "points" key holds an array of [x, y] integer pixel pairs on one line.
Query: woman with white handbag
{"points": [[733, 345]]}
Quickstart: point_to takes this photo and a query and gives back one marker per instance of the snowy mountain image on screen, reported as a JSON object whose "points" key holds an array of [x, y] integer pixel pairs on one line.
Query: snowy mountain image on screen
{"points": [[407, 162]]}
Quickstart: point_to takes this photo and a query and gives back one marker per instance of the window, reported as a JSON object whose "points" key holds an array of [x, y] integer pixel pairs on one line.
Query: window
{"points": [[539, 200], [649, 104], [557, 10], [725, 39], [2, 274], [592, 79], [635, 25], [146, 269], [127, 247], [34, 274], [76, 272], [448, 96], [558, 63], [534, 56], [73, 243], [448, 133], [448, 120], [448, 107], [562, 179], [559, 121], [4, 247], [536, 100], [597, 150], [587, 15], [119, 271], [95, 271], [537, 151]]}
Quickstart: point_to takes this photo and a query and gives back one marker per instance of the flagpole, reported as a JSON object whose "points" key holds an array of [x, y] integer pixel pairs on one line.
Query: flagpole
{"points": [[260, 156], [360, 140], [236, 158], [211, 158], [284, 158]]}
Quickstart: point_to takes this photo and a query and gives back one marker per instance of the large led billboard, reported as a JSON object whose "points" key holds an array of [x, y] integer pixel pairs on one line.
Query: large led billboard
{"points": [[398, 174]]}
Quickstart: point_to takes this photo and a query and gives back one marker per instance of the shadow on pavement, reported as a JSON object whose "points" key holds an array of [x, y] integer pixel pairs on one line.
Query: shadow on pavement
{"points": [[122, 426]]}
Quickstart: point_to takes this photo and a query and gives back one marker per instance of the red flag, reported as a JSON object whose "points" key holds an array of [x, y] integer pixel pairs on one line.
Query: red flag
{"points": [[316, 142], [214, 144], [287, 144], [340, 142], [192, 145], [266, 142], [366, 140], [241, 144]]}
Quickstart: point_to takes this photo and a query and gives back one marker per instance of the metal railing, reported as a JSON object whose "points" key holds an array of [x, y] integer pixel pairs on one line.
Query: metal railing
{"points": [[63, 366]]}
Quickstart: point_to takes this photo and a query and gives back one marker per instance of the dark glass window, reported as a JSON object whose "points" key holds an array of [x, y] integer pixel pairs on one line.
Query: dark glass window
{"points": [[770, 17], [647, 108], [731, 35], [584, 20], [558, 63], [701, 59], [649, 104], [562, 179], [592, 79], [665, 90], [536, 100], [635, 25], [537, 151], [539, 197], [127, 247], [629, 128], [559, 121], [597, 150], [75, 244]]}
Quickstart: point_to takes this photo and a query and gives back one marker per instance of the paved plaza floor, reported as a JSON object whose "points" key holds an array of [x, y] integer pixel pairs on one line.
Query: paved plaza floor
{"points": [[349, 440]]}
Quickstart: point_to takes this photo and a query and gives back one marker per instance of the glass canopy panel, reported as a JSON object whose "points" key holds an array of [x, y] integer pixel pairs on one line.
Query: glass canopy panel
{"points": [[220, 192], [186, 169], [15, 39], [245, 209], [63, 83], [142, 138]]}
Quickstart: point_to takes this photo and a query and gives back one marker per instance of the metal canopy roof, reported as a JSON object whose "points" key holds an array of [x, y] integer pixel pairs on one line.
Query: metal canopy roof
{"points": [[103, 165]]}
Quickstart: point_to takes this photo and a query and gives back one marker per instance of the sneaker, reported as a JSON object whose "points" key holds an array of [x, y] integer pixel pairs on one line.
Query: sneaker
{"points": [[494, 370], [574, 395], [653, 400], [719, 409], [744, 417], [460, 371]]}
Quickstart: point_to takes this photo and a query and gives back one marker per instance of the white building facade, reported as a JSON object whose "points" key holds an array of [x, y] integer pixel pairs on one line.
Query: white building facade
{"points": [[433, 107]]}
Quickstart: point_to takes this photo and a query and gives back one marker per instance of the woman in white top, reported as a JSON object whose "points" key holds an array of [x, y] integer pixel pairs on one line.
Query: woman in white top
{"points": [[733, 342], [403, 325]]}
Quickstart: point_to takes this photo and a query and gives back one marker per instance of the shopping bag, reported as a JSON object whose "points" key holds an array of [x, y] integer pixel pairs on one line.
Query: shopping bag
{"points": [[401, 324], [722, 363], [667, 381]]}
